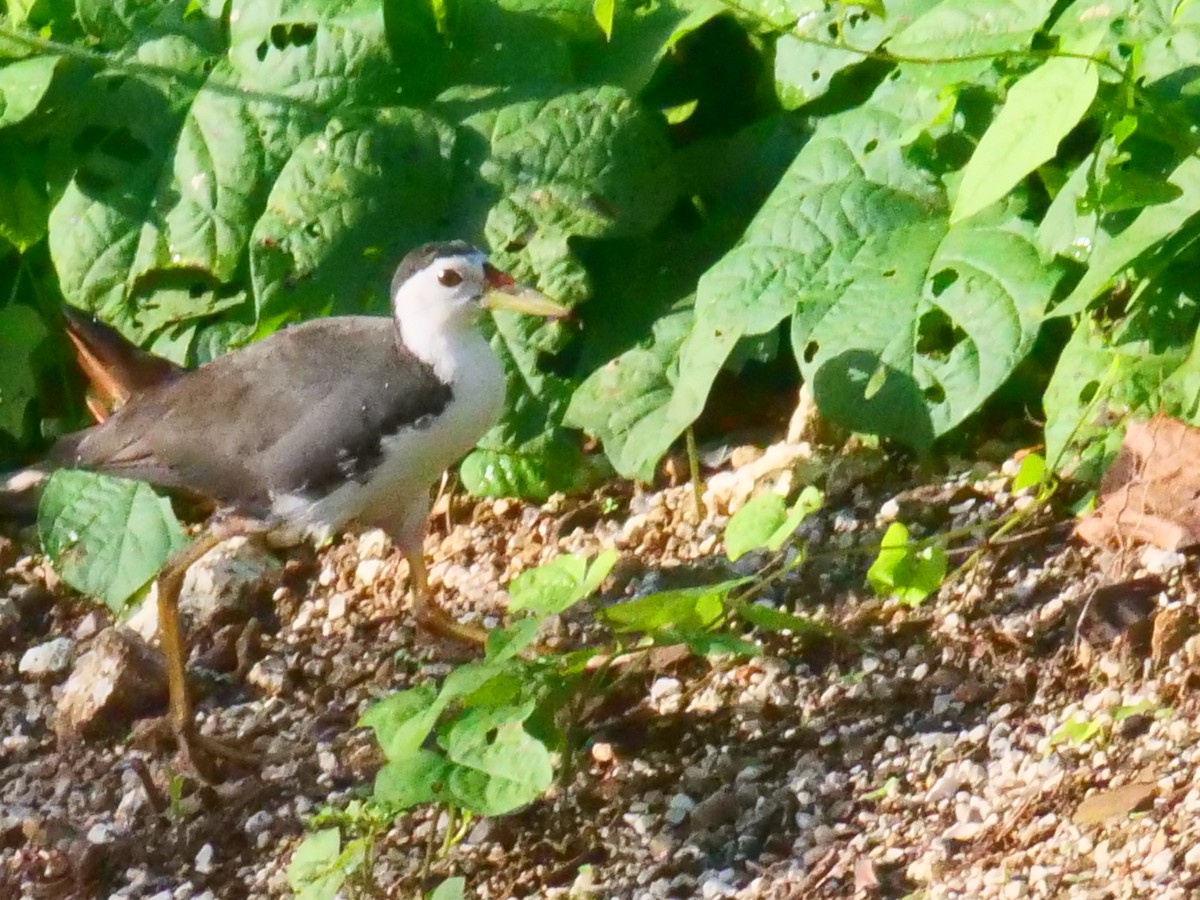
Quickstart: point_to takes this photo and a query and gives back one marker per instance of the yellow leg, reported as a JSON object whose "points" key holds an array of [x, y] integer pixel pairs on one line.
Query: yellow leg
{"points": [[170, 636], [431, 616]]}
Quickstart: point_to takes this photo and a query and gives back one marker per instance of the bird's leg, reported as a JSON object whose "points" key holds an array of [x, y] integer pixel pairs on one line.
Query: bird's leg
{"points": [[197, 748], [428, 614]]}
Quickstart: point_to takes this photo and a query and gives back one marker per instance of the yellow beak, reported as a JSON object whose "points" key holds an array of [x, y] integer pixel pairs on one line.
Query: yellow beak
{"points": [[523, 300]]}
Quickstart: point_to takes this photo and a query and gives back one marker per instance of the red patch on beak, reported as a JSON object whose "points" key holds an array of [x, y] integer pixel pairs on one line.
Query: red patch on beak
{"points": [[496, 278]]}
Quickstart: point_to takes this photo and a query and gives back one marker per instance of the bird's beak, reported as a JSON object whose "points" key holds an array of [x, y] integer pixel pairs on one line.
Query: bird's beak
{"points": [[504, 293]]}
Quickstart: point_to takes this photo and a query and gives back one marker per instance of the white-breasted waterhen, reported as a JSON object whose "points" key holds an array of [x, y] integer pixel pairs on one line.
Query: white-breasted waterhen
{"points": [[333, 423]]}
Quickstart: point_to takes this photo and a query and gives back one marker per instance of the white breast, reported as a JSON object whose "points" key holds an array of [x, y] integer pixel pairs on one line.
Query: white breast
{"points": [[397, 495]]}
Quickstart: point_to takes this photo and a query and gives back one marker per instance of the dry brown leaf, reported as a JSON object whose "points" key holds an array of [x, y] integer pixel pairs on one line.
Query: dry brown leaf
{"points": [[1103, 806], [1149, 494]]}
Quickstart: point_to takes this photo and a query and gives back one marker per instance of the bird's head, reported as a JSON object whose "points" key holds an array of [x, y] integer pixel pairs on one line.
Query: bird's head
{"points": [[444, 287]]}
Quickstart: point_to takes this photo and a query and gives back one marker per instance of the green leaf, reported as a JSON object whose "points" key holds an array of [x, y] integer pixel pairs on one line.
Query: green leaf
{"points": [[929, 324], [766, 522], [966, 27], [174, 177], [623, 401], [640, 37], [451, 889], [548, 464], [1152, 226], [416, 779], [850, 186], [1041, 109], [499, 766], [713, 643], [753, 525], [903, 572], [314, 873], [557, 585], [22, 85], [402, 721], [107, 537], [1031, 472], [685, 609], [603, 11], [366, 182], [1147, 362], [775, 620], [21, 334], [505, 643], [591, 163], [805, 69], [1076, 730], [24, 204]]}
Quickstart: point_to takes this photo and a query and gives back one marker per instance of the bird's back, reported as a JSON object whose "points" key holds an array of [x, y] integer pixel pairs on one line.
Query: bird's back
{"points": [[297, 413]]}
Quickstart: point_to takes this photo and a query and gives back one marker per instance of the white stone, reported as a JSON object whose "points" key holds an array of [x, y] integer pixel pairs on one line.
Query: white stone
{"points": [[50, 658], [204, 859], [368, 571]]}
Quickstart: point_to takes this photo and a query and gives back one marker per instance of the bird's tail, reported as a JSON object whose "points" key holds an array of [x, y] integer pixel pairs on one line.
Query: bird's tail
{"points": [[20, 492], [114, 366]]}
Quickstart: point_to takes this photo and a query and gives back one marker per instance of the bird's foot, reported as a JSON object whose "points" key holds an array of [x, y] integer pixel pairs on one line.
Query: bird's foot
{"points": [[212, 759], [209, 757], [441, 624]]}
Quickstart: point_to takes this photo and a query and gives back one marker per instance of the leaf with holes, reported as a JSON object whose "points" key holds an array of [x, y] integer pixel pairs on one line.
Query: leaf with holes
{"points": [[805, 61], [107, 537], [349, 200], [849, 187], [932, 320], [591, 163]]}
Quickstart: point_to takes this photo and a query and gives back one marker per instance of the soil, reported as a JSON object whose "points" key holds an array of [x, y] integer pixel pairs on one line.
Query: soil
{"points": [[1020, 734]]}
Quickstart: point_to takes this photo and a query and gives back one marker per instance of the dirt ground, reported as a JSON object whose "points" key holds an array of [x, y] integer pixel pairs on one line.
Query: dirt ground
{"points": [[1032, 731]]}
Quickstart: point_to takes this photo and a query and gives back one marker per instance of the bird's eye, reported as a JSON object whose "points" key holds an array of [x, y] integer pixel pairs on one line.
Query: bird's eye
{"points": [[449, 277]]}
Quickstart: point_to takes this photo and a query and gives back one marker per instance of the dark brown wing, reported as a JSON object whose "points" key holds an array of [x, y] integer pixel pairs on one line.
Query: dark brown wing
{"points": [[297, 412]]}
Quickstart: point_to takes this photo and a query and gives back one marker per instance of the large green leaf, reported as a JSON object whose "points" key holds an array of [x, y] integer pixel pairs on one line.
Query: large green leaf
{"points": [[849, 186], [107, 537], [179, 172], [622, 403], [932, 321]]}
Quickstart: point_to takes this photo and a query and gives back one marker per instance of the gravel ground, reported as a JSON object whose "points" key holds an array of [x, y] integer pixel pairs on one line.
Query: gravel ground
{"points": [[921, 753]]}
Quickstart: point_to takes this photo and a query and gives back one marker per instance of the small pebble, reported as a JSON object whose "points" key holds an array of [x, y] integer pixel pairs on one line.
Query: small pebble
{"points": [[48, 659]]}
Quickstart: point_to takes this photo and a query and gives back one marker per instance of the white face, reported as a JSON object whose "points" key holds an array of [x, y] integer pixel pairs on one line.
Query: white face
{"points": [[445, 293]]}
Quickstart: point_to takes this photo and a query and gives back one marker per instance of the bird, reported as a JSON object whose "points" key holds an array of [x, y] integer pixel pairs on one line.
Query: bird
{"points": [[323, 426]]}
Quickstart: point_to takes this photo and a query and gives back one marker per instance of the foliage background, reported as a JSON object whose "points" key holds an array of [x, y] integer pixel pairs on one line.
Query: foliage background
{"points": [[928, 208]]}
